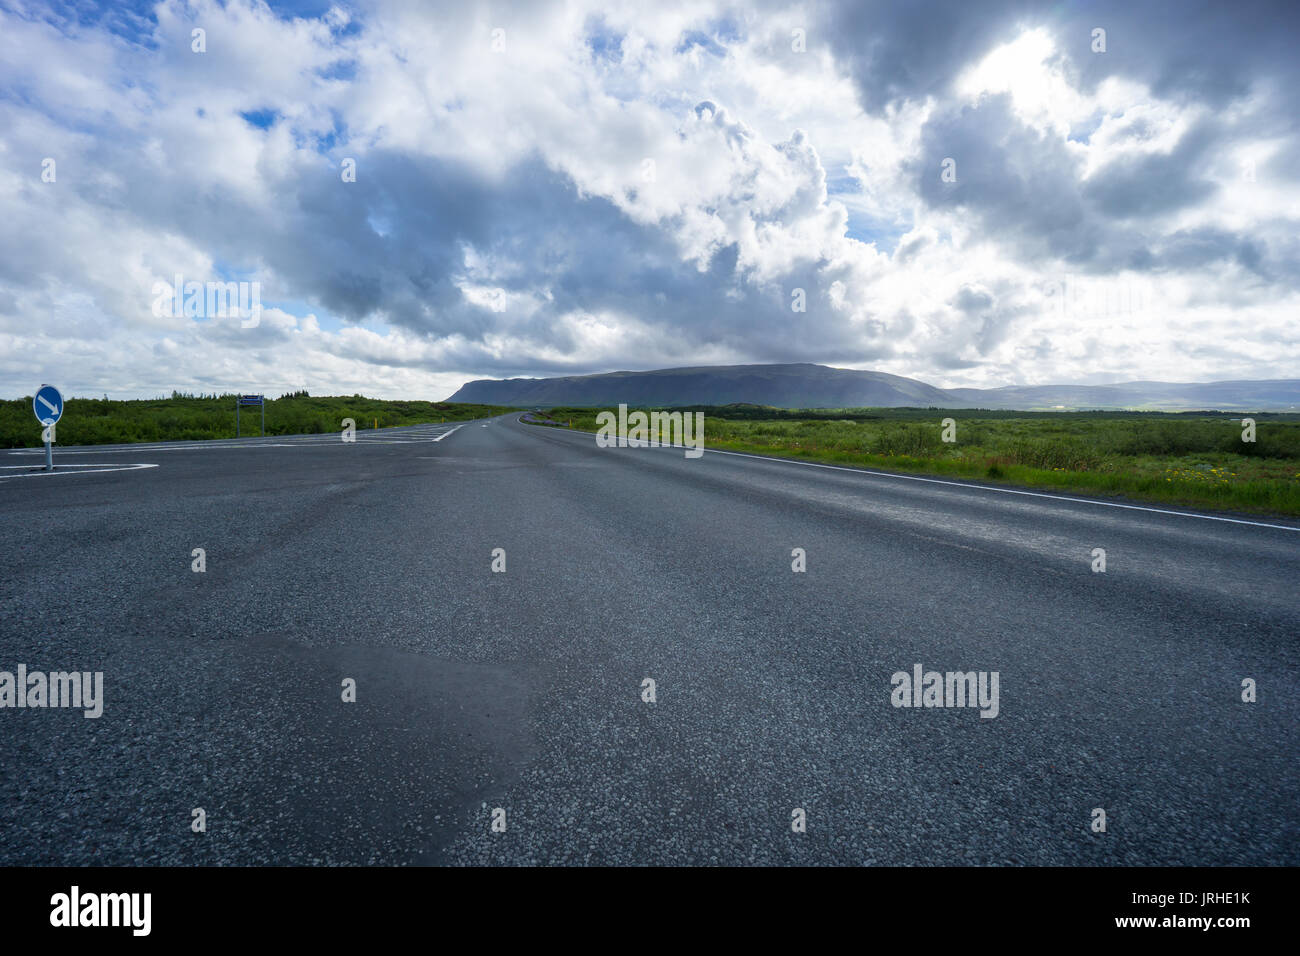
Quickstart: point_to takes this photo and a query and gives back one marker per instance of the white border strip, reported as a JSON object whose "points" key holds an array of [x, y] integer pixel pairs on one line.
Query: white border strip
{"points": [[961, 484], [66, 470], [446, 433], [296, 441], [1005, 491]]}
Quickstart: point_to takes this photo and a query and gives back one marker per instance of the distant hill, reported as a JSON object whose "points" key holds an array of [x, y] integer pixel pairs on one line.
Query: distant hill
{"points": [[1267, 395], [805, 385], [787, 386]]}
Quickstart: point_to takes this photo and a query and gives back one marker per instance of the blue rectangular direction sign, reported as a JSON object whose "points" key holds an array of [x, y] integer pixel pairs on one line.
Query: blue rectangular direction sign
{"points": [[256, 401]]}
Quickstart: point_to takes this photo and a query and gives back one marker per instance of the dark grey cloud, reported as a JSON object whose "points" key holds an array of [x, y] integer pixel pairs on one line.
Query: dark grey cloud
{"points": [[1026, 190], [1156, 183], [1208, 52], [913, 50], [1021, 185]]}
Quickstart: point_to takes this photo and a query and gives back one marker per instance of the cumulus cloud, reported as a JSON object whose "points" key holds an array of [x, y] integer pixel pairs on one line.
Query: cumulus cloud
{"points": [[430, 193]]}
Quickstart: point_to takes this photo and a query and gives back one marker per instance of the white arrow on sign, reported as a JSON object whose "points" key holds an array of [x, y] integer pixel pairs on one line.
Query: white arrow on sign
{"points": [[53, 408]]}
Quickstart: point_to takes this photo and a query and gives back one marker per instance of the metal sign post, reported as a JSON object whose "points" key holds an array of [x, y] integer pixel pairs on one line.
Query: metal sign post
{"points": [[47, 403], [258, 401]]}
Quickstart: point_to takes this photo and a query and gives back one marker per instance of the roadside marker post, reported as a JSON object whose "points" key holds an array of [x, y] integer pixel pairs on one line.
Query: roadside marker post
{"points": [[47, 403], [252, 401]]}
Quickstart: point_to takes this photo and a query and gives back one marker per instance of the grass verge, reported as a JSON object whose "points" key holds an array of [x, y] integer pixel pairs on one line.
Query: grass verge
{"points": [[92, 421], [1187, 460]]}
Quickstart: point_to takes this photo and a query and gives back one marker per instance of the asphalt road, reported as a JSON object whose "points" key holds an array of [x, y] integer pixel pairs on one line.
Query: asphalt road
{"points": [[522, 690]]}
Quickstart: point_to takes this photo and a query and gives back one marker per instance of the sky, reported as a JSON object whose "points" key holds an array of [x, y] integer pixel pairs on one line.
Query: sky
{"points": [[412, 195]]}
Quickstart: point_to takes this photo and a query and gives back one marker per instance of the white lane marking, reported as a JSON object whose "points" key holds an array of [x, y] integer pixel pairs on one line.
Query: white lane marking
{"points": [[1005, 491], [298, 441], [120, 449], [65, 470]]}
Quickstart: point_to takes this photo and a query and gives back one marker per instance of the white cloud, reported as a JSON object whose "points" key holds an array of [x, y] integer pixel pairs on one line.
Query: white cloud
{"points": [[562, 205]]}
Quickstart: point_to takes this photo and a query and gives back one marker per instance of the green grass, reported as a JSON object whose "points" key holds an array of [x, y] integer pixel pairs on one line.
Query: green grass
{"points": [[1194, 460], [92, 421]]}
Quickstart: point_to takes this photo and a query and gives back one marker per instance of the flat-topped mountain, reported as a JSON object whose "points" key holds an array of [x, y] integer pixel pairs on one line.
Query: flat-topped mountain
{"points": [[787, 386], [804, 385]]}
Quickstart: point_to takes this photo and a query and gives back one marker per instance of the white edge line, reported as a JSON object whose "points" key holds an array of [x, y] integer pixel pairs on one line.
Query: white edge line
{"points": [[448, 432], [1005, 491], [219, 443], [65, 470]]}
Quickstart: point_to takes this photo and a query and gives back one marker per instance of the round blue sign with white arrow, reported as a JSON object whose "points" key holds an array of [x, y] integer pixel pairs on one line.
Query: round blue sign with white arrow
{"points": [[48, 405]]}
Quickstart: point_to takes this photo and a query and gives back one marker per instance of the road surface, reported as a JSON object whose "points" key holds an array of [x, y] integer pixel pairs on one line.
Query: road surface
{"points": [[523, 690]]}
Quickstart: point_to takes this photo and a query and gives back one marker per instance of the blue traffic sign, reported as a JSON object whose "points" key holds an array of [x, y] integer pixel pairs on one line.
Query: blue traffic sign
{"points": [[48, 405]]}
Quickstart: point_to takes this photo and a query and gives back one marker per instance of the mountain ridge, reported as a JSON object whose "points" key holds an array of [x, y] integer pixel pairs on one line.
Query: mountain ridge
{"points": [[808, 385]]}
